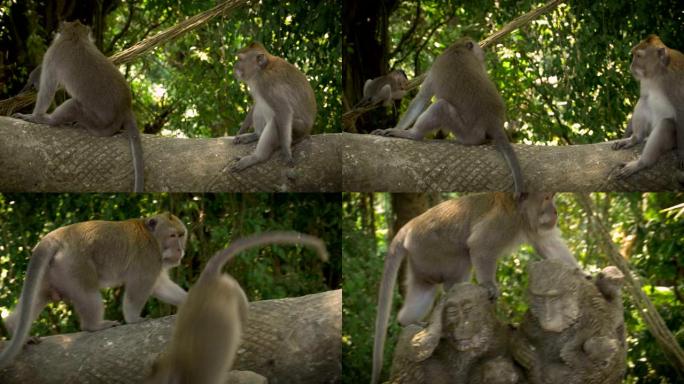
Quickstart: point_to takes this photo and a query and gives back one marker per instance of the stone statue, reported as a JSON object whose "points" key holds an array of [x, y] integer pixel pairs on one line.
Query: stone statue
{"points": [[573, 331], [463, 342]]}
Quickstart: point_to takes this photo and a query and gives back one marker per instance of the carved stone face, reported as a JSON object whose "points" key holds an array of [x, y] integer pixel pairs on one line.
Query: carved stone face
{"points": [[555, 310], [467, 319]]}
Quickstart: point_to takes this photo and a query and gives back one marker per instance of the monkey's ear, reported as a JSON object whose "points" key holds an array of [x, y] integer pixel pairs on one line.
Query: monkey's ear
{"points": [[151, 224], [664, 56], [261, 60], [469, 45]]}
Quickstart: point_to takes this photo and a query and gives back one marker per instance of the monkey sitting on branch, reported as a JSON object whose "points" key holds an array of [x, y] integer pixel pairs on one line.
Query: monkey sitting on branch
{"points": [[210, 323], [284, 106], [74, 262], [444, 243], [467, 104], [100, 97], [659, 113], [384, 89]]}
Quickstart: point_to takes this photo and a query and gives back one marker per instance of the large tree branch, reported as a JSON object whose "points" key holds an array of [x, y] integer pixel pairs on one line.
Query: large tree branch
{"points": [[375, 163], [296, 340], [40, 158]]}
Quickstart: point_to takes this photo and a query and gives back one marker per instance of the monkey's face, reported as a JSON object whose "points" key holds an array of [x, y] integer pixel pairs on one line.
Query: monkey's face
{"points": [[171, 234], [648, 62], [74, 30], [250, 61], [555, 310], [400, 77], [540, 210]]}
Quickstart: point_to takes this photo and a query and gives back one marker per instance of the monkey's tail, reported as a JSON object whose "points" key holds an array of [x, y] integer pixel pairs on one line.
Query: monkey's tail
{"points": [[395, 255], [506, 149], [40, 259], [136, 152], [220, 258]]}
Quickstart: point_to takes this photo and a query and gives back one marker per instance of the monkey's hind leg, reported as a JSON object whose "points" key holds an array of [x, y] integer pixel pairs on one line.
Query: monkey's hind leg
{"points": [[86, 299], [419, 298]]}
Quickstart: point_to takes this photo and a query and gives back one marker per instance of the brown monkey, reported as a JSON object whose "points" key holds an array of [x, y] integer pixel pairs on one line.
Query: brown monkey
{"points": [[659, 113], [444, 243], [100, 98], [76, 261], [384, 89], [467, 103], [284, 107], [210, 322]]}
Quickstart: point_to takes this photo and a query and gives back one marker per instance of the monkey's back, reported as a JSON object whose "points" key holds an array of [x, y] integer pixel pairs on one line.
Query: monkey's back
{"points": [[89, 77], [460, 78]]}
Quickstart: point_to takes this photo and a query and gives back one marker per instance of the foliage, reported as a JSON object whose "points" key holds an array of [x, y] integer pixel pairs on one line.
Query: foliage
{"points": [[213, 221], [649, 234]]}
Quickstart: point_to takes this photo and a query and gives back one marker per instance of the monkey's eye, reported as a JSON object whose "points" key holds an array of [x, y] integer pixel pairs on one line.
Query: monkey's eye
{"points": [[173, 235]]}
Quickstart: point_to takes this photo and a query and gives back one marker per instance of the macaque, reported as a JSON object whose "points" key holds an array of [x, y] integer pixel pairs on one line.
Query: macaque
{"points": [[384, 89], [444, 243], [33, 80], [74, 262], [466, 103], [284, 107], [209, 325], [100, 97], [659, 113]]}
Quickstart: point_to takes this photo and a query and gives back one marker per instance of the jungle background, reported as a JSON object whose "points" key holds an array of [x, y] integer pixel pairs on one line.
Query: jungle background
{"points": [[646, 227], [185, 88], [213, 222], [564, 77]]}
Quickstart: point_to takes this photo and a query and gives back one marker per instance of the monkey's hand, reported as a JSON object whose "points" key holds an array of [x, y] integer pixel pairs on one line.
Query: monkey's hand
{"points": [[26, 117], [245, 138], [383, 132], [623, 144], [628, 169], [492, 289]]}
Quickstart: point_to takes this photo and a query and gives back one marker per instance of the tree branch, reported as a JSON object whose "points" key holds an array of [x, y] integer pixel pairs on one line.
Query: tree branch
{"points": [[375, 163], [40, 158], [294, 340]]}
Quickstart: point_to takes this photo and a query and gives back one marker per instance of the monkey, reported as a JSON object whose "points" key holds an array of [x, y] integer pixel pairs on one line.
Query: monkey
{"points": [[100, 97], [74, 262], [467, 103], [33, 80], [284, 106], [384, 89], [445, 242], [209, 324], [659, 112]]}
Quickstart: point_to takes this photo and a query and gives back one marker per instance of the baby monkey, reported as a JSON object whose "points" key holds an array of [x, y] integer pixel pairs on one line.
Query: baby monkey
{"points": [[466, 103], [210, 323], [659, 113], [384, 89], [447, 241], [74, 262], [100, 97], [284, 106]]}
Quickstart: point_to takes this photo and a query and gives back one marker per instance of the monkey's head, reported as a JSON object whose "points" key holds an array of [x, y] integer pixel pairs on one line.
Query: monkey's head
{"points": [[467, 46], [649, 58], [400, 77], [250, 61], [539, 210], [74, 30], [171, 235]]}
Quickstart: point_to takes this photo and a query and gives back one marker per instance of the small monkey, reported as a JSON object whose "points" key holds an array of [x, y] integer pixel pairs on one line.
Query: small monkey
{"points": [[444, 243], [209, 324], [284, 106], [659, 113], [384, 89], [467, 103], [74, 262], [100, 97]]}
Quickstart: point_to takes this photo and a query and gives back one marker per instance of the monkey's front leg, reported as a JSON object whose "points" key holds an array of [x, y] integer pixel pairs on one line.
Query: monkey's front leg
{"points": [[661, 140], [268, 142], [241, 137], [168, 291]]}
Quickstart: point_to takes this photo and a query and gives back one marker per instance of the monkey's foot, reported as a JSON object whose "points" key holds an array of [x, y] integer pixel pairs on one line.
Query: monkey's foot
{"points": [[492, 289], [34, 340], [23, 116], [622, 144], [102, 325], [382, 132], [242, 163]]}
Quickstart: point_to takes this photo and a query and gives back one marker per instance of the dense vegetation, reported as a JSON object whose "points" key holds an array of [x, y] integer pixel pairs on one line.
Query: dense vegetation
{"points": [[647, 227], [213, 221]]}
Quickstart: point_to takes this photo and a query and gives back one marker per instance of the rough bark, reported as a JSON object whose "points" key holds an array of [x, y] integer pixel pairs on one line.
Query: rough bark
{"points": [[38, 158], [375, 163], [294, 340]]}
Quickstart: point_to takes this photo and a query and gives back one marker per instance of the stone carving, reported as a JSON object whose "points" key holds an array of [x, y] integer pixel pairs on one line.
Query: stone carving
{"points": [[572, 333]]}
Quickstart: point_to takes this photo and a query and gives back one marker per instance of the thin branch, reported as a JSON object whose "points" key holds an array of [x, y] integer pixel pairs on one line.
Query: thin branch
{"points": [[124, 30], [408, 33]]}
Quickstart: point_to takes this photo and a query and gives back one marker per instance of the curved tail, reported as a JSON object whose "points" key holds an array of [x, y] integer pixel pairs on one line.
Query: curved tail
{"points": [[136, 152], [395, 255], [40, 259], [220, 258], [506, 149]]}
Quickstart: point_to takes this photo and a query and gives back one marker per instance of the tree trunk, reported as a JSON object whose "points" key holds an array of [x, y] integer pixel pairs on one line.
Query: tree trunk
{"points": [[375, 163], [39, 158], [294, 340]]}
